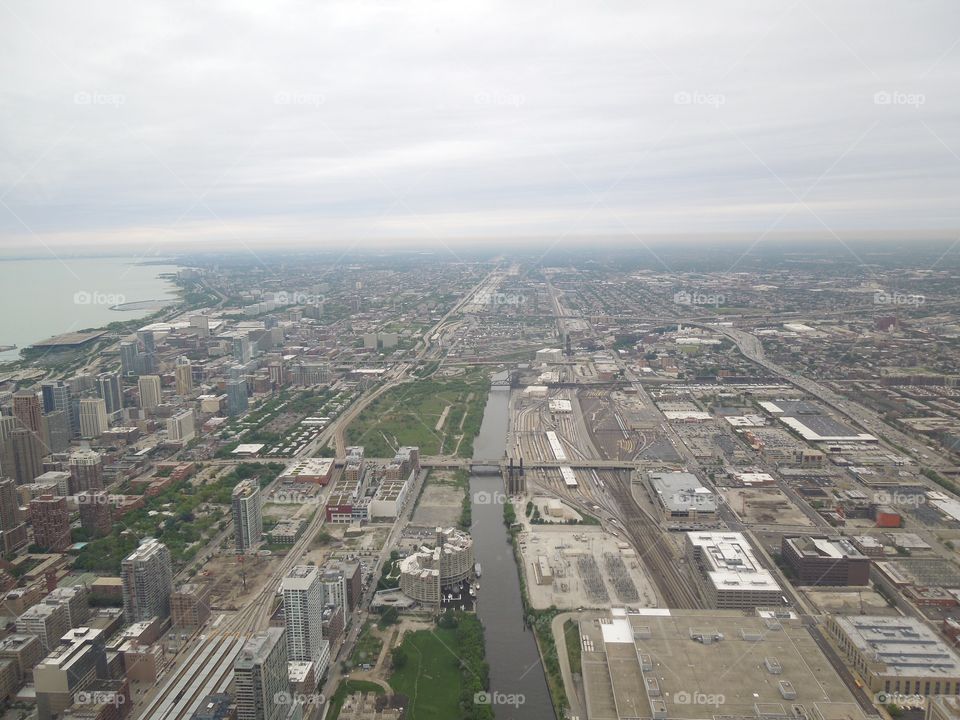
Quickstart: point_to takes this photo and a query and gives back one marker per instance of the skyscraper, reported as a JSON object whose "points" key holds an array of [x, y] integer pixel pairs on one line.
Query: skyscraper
{"points": [[108, 387], [247, 518], [51, 522], [95, 514], [303, 613], [22, 457], [242, 351], [236, 397], [27, 409], [260, 675], [93, 417], [57, 430], [12, 527], [56, 395], [147, 577], [129, 358], [180, 427], [184, 376], [86, 471], [149, 391]]}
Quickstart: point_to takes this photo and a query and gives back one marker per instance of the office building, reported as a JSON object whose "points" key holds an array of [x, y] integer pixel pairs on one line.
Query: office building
{"points": [[93, 417], [76, 600], [183, 375], [96, 517], [24, 650], [242, 350], [260, 677], [129, 358], [55, 394], [108, 388], [22, 457], [13, 529], [247, 517], [50, 519], [86, 471], [190, 605], [180, 427], [77, 662], [303, 612], [236, 397], [28, 410], [897, 654], [825, 561], [733, 578], [57, 431], [147, 578], [149, 386], [49, 622]]}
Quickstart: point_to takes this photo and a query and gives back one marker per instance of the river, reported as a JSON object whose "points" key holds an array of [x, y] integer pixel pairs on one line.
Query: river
{"points": [[515, 667]]}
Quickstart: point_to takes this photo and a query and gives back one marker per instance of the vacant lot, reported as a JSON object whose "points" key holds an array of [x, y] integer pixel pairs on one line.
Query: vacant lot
{"points": [[430, 678]]}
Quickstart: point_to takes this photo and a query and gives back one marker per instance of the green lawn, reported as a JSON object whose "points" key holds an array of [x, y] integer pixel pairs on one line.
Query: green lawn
{"points": [[571, 633], [368, 647], [408, 415], [430, 679]]}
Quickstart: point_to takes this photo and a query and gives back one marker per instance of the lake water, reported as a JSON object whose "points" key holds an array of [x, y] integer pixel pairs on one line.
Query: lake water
{"points": [[45, 297]]}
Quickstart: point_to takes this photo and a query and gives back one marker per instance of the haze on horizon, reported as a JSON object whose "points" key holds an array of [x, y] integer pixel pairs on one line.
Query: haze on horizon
{"points": [[235, 123]]}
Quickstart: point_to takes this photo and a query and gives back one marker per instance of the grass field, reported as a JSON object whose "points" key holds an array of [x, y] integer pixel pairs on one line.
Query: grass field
{"points": [[368, 647], [439, 416], [431, 677]]}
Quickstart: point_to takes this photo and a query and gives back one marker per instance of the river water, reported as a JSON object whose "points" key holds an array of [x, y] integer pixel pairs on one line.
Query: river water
{"points": [[515, 667]]}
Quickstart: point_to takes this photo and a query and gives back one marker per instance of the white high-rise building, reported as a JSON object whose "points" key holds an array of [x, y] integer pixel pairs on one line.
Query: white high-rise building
{"points": [[93, 417], [303, 612], [247, 517], [149, 386], [180, 427], [147, 577]]}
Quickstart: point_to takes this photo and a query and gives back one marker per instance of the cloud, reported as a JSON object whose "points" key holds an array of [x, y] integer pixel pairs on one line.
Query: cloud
{"points": [[373, 121]]}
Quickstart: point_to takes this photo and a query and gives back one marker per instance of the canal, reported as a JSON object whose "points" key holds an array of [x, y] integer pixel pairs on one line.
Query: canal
{"points": [[515, 667]]}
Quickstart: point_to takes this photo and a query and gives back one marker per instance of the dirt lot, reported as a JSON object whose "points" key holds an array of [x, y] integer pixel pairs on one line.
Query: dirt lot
{"points": [[764, 506], [226, 576], [849, 601], [440, 502]]}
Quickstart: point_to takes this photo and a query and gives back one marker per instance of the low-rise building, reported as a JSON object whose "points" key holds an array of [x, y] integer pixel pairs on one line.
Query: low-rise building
{"points": [[825, 561]]}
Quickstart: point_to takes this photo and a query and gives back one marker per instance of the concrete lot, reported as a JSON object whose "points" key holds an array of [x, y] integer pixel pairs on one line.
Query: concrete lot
{"points": [[764, 506]]}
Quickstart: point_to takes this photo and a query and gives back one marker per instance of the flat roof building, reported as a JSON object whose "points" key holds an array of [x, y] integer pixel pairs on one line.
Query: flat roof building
{"points": [[681, 494], [825, 561], [733, 576]]}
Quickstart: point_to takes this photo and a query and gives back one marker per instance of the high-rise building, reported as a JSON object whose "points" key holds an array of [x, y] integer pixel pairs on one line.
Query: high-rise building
{"points": [[51, 522], [303, 613], [86, 471], [49, 622], [277, 376], [184, 376], [334, 582], [96, 517], [147, 577], [22, 457], [77, 662], [57, 431], [242, 350], [129, 358], [76, 598], [247, 518], [149, 391], [181, 427], [236, 397], [260, 676], [190, 605], [93, 417], [108, 387], [12, 527], [27, 409]]}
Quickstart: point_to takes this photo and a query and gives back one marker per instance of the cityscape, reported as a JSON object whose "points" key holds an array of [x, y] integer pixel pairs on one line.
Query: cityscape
{"points": [[484, 360]]}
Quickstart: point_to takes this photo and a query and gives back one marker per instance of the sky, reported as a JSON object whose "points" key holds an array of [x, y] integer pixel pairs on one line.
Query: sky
{"points": [[181, 124]]}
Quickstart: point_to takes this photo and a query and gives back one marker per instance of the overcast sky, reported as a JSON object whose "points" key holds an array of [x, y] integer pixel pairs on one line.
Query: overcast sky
{"points": [[167, 123]]}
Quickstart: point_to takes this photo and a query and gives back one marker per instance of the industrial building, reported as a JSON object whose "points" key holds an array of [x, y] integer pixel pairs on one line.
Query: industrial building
{"points": [[682, 495], [733, 576]]}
